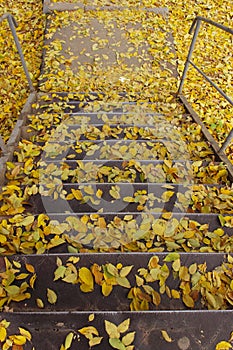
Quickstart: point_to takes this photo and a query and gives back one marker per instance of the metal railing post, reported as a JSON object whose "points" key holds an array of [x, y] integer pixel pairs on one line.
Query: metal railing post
{"points": [[194, 39], [227, 142], [13, 24]]}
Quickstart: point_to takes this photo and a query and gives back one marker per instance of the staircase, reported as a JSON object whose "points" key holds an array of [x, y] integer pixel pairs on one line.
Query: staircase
{"points": [[116, 218]]}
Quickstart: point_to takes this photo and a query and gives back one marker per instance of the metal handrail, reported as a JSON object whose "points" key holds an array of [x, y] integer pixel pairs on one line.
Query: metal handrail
{"points": [[196, 24], [13, 24]]}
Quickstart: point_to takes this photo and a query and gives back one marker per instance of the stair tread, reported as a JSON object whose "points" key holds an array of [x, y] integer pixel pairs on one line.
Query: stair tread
{"points": [[136, 260], [128, 197], [50, 332], [111, 149]]}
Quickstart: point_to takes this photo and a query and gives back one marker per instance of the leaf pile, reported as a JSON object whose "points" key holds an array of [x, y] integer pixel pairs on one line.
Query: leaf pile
{"points": [[15, 282]]}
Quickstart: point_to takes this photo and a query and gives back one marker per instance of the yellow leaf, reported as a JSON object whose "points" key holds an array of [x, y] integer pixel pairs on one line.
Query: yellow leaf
{"points": [[188, 301], [32, 280], [223, 345], [176, 265], [95, 47], [128, 199], [125, 271], [22, 276], [123, 281], [112, 329], [167, 195], [115, 192], [3, 334], [74, 259], [123, 326], [16, 264], [26, 221], [41, 219], [30, 268], [70, 196], [77, 194], [91, 317], [99, 193], [88, 331], [175, 294], [39, 303], [106, 289], [18, 339], [69, 339], [25, 333], [52, 296], [12, 290], [89, 189], [166, 336], [95, 341], [86, 288], [128, 338], [86, 277], [71, 278]]}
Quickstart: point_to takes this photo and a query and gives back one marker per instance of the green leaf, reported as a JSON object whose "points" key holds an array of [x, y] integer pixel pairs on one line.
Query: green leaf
{"points": [[171, 257], [116, 344], [122, 281], [59, 272]]}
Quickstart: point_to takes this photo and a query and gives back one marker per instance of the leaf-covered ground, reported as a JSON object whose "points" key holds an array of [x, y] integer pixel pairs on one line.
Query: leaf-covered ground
{"points": [[13, 85]]}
